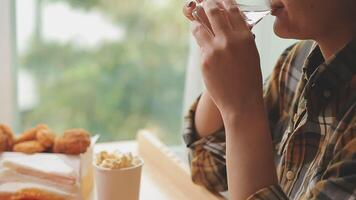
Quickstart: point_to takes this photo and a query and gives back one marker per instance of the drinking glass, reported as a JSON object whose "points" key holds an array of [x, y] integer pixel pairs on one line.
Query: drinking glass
{"points": [[253, 11]]}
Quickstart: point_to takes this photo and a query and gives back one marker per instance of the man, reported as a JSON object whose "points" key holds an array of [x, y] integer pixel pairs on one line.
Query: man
{"points": [[296, 137]]}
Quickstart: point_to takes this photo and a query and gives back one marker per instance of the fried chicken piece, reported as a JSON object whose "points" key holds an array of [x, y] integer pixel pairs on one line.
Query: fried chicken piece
{"points": [[40, 133], [29, 147], [75, 141], [31, 133], [27, 136], [6, 138], [45, 137]]}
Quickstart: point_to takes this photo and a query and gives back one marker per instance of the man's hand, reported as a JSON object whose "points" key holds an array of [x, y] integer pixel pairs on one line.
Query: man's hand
{"points": [[230, 60]]}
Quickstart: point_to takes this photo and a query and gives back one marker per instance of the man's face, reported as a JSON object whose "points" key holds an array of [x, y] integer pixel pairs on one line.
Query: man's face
{"points": [[310, 19]]}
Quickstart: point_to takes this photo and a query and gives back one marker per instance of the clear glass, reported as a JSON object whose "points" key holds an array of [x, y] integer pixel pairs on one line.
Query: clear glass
{"points": [[111, 67], [253, 11]]}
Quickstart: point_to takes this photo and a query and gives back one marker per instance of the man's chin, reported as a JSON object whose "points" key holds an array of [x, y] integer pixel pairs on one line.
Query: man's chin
{"points": [[283, 31]]}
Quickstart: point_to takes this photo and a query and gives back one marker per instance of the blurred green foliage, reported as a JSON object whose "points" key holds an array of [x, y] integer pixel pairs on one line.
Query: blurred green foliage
{"points": [[119, 87]]}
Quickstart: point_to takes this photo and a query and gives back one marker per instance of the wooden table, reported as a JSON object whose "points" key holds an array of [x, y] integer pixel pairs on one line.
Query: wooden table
{"points": [[164, 176]]}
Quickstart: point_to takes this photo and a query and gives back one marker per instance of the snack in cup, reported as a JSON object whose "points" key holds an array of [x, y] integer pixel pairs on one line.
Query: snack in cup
{"points": [[117, 175], [116, 160]]}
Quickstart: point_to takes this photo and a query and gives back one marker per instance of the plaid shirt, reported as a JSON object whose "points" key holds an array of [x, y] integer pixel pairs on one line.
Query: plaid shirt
{"points": [[311, 106]]}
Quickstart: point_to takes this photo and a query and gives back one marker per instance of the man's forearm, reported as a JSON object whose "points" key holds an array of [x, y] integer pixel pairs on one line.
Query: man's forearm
{"points": [[250, 164], [207, 117]]}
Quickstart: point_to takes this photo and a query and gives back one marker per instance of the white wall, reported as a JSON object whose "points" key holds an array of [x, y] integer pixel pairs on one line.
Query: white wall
{"points": [[7, 89]]}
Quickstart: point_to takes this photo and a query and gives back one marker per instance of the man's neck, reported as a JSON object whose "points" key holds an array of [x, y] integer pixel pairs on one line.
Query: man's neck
{"points": [[334, 42]]}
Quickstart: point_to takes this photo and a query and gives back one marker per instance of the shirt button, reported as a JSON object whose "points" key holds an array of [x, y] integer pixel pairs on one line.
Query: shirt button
{"points": [[327, 93], [290, 175]]}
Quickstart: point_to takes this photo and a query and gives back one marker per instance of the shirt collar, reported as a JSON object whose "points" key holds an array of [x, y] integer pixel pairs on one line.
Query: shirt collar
{"points": [[325, 77]]}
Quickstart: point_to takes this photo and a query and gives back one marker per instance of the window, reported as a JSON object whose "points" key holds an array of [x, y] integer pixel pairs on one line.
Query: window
{"points": [[111, 67]]}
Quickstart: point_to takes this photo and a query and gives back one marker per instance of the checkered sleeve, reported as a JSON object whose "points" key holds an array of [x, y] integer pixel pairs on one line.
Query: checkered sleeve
{"points": [[206, 156]]}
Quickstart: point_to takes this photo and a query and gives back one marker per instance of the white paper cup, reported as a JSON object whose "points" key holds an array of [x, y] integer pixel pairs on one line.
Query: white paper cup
{"points": [[116, 184]]}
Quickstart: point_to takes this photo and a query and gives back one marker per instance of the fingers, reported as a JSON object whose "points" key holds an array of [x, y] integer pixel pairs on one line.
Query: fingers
{"points": [[201, 34], [188, 9], [215, 13], [200, 15], [236, 18]]}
